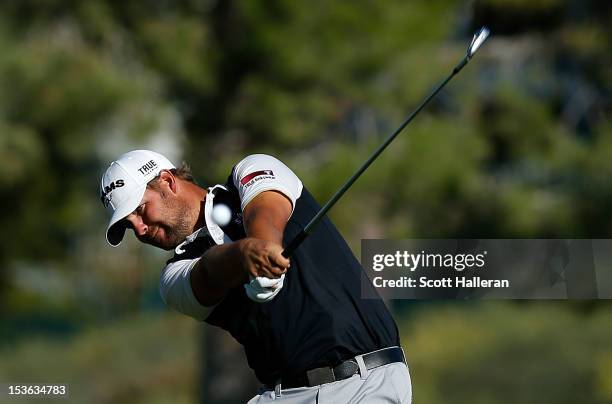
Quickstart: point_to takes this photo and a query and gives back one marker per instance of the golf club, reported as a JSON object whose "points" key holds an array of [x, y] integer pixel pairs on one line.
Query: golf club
{"points": [[479, 37]]}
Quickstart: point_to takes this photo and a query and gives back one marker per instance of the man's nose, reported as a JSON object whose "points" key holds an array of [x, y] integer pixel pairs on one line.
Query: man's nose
{"points": [[140, 228]]}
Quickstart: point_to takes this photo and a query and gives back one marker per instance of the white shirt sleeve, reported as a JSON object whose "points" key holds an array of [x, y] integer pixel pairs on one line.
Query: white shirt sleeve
{"points": [[175, 289], [260, 172]]}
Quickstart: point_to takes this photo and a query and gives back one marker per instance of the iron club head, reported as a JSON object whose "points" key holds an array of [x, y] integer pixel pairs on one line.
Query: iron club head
{"points": [[479, 37]]}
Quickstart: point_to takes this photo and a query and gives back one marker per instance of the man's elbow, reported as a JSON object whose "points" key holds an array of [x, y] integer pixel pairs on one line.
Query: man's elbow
{"points": [[204, 290], [209, 299]]}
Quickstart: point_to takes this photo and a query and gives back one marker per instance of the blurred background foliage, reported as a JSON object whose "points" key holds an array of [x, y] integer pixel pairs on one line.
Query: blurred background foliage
{"points": [[519, 145]]}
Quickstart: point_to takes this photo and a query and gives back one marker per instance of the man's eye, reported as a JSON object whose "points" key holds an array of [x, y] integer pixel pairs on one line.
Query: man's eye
{"points": [[140, 209]]}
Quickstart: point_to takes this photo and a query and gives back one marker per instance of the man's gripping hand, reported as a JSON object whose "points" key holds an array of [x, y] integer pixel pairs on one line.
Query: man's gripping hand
{"points": [[266, 267], [262, 258], [263, 289]]}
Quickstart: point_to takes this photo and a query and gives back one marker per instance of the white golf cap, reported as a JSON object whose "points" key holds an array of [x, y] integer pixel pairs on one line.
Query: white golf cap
{"points": [[123, 186]]}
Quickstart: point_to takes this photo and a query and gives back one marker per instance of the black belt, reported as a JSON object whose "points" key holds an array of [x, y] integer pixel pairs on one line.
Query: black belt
{"points": [[344, 370]]}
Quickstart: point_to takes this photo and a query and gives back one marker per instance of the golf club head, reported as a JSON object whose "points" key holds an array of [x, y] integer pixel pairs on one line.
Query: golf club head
{"points": [[479, 37]]}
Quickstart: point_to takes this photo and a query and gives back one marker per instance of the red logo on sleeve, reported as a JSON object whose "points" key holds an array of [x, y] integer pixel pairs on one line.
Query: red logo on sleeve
{"points": [[249, 177]]}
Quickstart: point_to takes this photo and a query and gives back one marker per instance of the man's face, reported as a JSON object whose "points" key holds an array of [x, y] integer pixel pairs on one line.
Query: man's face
{"points": [[162, 219]]}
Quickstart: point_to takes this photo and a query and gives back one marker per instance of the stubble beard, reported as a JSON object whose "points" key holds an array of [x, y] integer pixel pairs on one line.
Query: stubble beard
{"points": [[179, 222]]}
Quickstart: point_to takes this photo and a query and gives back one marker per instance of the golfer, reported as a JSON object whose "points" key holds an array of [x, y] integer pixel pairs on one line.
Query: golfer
{"points": [[307, 333]]}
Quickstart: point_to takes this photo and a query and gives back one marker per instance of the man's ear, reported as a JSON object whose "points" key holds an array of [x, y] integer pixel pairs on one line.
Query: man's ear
{"points": [[167, 179]]}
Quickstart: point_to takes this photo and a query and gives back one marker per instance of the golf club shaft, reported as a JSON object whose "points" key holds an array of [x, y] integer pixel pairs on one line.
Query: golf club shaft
{"points": [[297, 240]]}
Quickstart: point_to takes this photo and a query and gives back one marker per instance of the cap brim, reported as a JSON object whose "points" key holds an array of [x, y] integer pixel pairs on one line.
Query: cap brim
{"points": [[117, 225]]}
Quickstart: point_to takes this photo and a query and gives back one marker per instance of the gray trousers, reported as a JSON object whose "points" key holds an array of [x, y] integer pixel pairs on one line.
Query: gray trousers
{"points": [[385, 384]]}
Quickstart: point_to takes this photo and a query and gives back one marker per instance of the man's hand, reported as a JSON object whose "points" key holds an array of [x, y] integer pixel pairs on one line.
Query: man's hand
{"points": [[262, 258], [262, 289]]}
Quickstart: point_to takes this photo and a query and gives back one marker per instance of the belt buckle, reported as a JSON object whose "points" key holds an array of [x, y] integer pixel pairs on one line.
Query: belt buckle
{"points": [[320, 376]]}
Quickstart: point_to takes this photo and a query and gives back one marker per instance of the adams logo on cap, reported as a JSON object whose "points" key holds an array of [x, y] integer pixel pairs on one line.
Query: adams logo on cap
{"points": [[106, 196]]}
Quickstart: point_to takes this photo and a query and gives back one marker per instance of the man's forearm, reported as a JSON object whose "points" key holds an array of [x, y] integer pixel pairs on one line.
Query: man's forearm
{"points": [[219, 270]]}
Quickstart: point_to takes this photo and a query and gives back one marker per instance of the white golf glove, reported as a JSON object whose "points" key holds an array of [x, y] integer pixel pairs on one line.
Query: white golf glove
{"points": [[262, 289]]}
